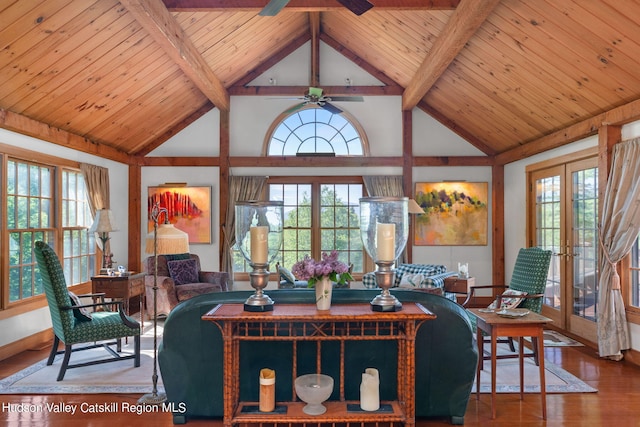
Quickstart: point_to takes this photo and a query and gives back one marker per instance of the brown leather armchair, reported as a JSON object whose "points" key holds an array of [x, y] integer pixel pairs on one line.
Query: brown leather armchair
{"points": [[171, 293]]}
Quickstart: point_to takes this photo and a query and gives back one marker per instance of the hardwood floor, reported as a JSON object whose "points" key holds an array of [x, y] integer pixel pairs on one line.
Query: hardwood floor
{"points": [[616, 402]]}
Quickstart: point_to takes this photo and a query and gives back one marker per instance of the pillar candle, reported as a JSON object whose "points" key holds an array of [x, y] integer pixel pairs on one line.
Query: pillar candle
{"points": [[386, 243], [259, 248], [370, 390]]}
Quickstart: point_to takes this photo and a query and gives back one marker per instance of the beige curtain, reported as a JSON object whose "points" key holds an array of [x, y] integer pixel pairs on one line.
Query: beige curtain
{"points": [[620, 223], [240, 188], [96, 180], [386, 186]]}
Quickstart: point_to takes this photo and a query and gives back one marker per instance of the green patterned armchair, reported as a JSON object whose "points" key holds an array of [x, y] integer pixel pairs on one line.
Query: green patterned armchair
{"points": [[73, 324], [526, 290]]}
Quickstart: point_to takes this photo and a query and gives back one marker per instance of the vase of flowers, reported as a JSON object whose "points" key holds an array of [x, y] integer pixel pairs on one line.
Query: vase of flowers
{"points": [[321, 275]]}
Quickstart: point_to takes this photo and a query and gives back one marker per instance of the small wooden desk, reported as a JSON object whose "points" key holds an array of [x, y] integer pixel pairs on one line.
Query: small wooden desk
{"points": [[530, 325], [123, 287]]}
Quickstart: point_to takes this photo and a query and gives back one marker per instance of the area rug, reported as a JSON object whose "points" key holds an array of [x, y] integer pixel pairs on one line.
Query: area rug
{"points": [[508, 378], [115, 377], [556, 339]]}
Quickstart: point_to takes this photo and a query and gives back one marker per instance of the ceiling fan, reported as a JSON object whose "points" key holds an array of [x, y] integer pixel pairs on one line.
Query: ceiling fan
{"points": [[315, 96], [356, 6]]}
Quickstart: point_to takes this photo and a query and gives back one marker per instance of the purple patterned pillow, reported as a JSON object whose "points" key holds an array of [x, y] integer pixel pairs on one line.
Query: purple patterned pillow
{"points": [[183, 271]]}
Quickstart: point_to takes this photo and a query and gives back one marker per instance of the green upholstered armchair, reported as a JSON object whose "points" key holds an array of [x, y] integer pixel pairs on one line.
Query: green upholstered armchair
{"points": [[529, 276], [73, 325]]}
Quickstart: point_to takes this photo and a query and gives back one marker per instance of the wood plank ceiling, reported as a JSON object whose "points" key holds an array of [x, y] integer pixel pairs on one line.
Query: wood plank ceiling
{"points": [[119, 78]]}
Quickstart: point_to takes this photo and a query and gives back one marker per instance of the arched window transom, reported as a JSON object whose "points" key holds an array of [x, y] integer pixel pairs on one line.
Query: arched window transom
{"points": [[313, 129]]}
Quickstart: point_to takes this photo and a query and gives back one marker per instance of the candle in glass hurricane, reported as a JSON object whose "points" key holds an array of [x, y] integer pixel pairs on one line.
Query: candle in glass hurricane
{"points": [[384, 228], [259, 227]]}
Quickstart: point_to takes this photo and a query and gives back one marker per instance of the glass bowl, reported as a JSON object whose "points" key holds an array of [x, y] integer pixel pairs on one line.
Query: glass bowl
{"points": [[313, 389]]}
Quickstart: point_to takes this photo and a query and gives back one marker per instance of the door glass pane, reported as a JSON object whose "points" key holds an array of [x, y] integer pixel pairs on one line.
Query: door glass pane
{"points": [[548, 205], [585, 242]]}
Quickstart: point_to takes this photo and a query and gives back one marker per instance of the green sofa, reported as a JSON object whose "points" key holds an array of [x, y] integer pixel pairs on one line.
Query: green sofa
{"points": [[191, 360]]}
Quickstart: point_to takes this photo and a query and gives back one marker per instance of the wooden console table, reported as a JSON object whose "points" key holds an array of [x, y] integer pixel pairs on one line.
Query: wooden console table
{"points": [[123, 287], [302, 322]]}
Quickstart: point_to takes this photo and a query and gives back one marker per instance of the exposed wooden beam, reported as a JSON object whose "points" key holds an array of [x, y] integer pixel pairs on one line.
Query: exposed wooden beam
{"points": [[26, 126], [340, 162], [305, 162], [179, 161], [462, 25], [328, 90], [303, 5], [154, 17], [497, 225], [617, 116], [136, 203], [314, 29], [608, 137], [453, 161]]}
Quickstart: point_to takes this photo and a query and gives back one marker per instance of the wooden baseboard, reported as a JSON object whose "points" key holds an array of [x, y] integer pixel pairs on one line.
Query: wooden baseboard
{"points": [[36, 341]]}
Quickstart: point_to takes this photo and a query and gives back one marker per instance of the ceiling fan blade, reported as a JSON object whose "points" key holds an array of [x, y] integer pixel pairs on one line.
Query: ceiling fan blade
{"points": [[295, 108], [330, 108], [356, 6], [273, 7], [347, 98]]}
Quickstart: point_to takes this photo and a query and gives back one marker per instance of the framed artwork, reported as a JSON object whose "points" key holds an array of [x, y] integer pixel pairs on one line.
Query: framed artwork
{"points": [[188, 209], [455, 214]]}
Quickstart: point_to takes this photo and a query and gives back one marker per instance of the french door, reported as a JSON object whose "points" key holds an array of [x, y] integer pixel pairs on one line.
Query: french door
{"points": [[563, 217]]}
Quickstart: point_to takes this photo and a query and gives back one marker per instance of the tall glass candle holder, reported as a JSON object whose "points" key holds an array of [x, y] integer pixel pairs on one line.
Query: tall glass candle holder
{"points": [[259, 226], [384, 228]]}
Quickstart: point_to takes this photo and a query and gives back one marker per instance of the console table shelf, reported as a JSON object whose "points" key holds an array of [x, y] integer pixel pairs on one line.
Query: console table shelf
{"points": [[303, 322], [336, 413]]}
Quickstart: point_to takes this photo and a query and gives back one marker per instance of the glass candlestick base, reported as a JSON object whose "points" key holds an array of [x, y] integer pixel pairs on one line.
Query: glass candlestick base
{"points": [[384, 279], [259, 279]]}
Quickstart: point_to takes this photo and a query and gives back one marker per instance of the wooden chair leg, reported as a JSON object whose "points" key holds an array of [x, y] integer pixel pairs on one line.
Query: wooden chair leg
{"points": [[65, 362], [511, 346], [136, 362], [54, 350]]}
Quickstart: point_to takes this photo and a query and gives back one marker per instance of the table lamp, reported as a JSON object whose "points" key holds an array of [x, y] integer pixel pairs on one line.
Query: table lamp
{"points": [[384, 228], [103, 224]]}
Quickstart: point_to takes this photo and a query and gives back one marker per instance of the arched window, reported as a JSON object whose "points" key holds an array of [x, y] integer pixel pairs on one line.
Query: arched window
{"points": [[314, 130]]}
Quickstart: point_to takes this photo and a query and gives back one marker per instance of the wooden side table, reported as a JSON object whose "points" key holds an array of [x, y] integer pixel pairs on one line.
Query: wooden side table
{"points": [[458, 285], [494, 325], [122, 287]]}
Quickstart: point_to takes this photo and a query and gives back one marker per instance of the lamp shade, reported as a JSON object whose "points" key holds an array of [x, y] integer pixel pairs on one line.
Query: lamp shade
{"points": [[104, 222], [170, 240], [414, 207]]}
